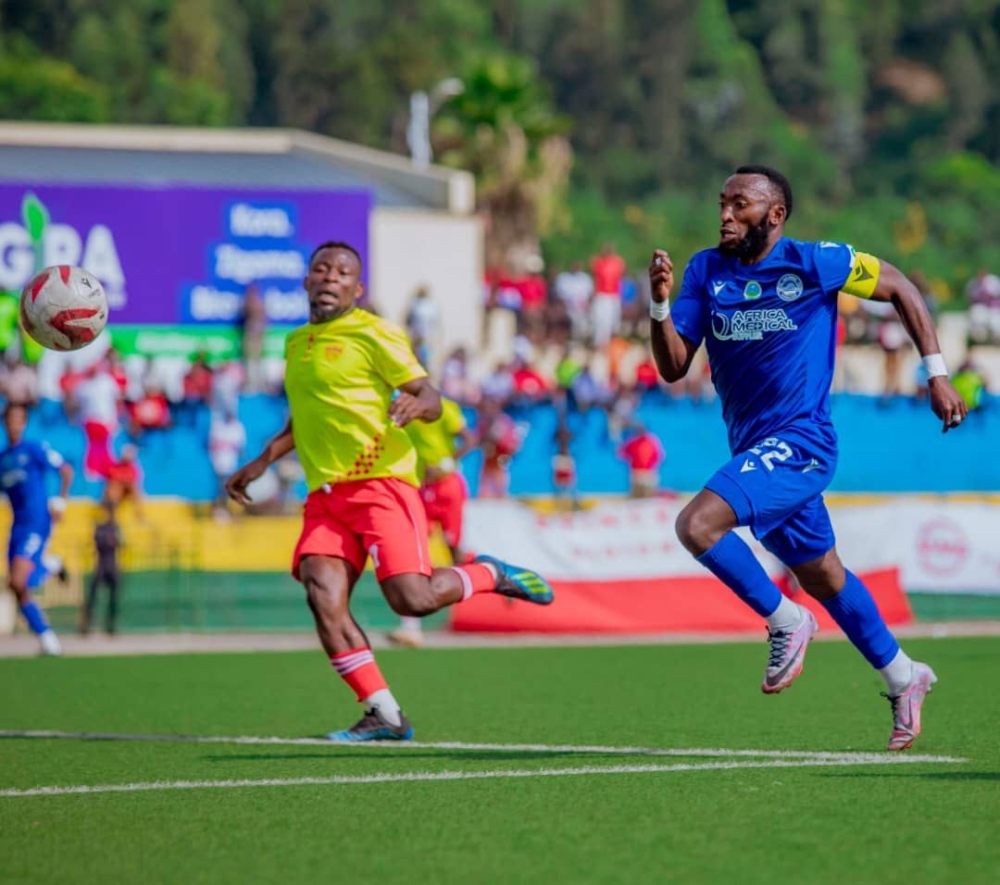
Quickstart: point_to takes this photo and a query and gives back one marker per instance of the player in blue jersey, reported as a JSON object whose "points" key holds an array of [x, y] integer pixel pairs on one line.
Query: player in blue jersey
{"points": [[23, 468], [766, 306]]}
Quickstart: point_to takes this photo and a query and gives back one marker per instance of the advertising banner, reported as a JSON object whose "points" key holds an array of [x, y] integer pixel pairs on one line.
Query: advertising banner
{"points": [[178, 255], [619, 567]]}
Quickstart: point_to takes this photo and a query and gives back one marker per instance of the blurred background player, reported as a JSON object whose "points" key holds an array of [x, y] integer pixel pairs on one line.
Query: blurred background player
{"points": [[341, 371], [24, 466], [564, 482], [107, 543], [439, 445]]}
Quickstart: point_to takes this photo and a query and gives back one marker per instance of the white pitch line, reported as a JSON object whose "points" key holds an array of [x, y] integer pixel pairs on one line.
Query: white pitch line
{"points": [[409, 777], [555, 749]]}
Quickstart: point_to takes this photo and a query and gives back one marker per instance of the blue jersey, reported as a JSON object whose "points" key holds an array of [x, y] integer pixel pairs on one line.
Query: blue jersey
{"points": [[771, 332], [22, 476]]}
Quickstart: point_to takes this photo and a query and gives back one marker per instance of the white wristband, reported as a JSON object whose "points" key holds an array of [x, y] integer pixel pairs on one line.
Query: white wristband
{"points": [[934, 365], [659, 310], [58, 504]]}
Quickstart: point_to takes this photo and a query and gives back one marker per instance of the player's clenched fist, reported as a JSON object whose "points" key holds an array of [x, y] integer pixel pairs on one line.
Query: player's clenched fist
{"points": [[661, 276]]}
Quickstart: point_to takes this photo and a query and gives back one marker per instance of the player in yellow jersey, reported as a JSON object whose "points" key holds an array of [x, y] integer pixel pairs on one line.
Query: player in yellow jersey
{"points": [[439, 445], [342, 369]]}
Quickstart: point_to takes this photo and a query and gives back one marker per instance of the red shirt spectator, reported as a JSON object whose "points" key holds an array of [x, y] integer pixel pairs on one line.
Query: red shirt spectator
{"points": [[608, 270], [646, 376], [533, 291], [152, 412], [643, 451], [529, 382], [198, 381]]}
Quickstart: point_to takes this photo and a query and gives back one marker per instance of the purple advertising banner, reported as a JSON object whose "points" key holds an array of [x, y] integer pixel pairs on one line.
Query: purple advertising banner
{"points": [[171, 255]]}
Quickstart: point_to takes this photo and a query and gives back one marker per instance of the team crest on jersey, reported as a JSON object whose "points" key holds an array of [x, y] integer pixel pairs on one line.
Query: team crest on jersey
{"points": [[789, 287], [750, 325], [752, 290], [332, 351]]}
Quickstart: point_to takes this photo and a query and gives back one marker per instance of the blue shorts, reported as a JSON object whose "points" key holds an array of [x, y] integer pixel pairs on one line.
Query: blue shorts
{"points": [[29, 544], [776, 488]]}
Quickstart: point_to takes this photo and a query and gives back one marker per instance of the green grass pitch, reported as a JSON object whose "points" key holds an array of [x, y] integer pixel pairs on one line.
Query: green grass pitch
{"points": [[378, 813]]}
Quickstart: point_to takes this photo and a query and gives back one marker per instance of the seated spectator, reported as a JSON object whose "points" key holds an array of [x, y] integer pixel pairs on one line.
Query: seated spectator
{"points": [[499, 384], [124, 482], [500, 439], [530, 386], [19, 383], [227, 438], [970, 383], [150, 412], [574, 288], [646, 375], [455, 381], [586, 391], [197, 389], [983, 295], [423, 319], [115, 367], [643, 452], [564, 470], [227, 382]]}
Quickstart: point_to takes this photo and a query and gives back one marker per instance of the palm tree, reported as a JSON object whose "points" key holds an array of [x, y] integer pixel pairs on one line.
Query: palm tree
{"points": [[503, 128]]}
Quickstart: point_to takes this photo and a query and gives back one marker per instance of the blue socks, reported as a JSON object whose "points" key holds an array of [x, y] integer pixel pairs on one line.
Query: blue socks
{"points": [[733, 563], [853, 608], [33, 615], [855, 612]]}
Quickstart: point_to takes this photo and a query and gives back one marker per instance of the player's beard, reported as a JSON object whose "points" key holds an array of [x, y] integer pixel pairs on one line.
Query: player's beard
{"points": [[323, 313], [753, 243]]}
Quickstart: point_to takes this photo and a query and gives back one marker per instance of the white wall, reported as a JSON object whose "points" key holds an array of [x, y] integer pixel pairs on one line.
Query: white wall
{"points": [[411, 247]]}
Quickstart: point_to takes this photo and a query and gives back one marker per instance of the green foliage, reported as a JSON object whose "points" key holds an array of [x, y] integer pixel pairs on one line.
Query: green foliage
{"points": [[45, 89], [872, 109]]}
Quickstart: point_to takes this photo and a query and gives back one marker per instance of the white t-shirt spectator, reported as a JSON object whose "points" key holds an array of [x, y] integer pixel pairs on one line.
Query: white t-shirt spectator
{"points": [[227, 438], [422, 319], [575, 288], [98, 399]]}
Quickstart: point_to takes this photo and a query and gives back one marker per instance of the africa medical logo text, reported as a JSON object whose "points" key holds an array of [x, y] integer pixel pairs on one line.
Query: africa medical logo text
{"points": [[750, 325]]}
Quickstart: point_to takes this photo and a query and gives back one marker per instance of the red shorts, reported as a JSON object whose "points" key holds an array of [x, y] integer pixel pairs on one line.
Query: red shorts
{"points": [[382, 517], [443, 502]]}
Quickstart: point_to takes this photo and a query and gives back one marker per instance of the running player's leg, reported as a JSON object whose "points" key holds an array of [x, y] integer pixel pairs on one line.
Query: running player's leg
{"points": [[24, 573], [328, 582], [705, 528], [823, 576], [759, 488], [328, 559], [395, 534]]}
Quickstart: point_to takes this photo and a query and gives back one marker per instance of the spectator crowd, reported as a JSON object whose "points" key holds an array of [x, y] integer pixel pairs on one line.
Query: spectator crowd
{"points": [[574, 338]]}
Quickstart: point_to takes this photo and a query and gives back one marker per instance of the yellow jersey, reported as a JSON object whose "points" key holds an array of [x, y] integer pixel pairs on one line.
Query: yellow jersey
{"points": [[434, 441], [339, 377]]}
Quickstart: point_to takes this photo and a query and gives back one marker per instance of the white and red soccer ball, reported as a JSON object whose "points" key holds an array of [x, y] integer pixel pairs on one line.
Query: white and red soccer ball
{"points": [[64, 308]]}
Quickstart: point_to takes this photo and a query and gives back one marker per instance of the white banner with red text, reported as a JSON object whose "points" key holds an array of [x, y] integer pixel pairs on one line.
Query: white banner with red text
{"points": [[618, 567]]}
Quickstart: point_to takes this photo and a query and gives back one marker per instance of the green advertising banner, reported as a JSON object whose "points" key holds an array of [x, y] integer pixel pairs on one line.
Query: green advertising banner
{"points": [[219, 343]]}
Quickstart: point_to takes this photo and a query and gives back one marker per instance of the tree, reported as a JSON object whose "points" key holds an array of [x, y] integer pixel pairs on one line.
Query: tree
{"points": [[503, 129]]}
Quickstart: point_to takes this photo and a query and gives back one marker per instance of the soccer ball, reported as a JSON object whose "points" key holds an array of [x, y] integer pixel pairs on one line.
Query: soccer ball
{"points": [[64, 308]]}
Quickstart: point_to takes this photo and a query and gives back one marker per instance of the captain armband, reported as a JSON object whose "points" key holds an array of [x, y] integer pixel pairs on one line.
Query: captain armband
{"points": [[863, 277]]}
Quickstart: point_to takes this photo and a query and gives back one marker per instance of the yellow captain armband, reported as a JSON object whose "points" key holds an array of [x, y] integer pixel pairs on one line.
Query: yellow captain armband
{"points": [[863, 277]]}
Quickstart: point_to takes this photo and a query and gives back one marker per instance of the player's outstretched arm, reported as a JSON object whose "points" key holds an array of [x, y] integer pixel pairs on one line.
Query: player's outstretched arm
{"points": [[277, 447], [418, 400], [57, 505], [893, 286], [672, 352]]}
